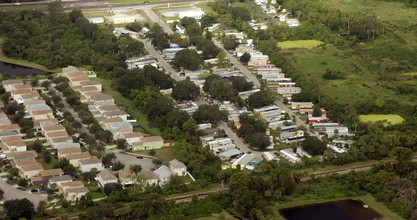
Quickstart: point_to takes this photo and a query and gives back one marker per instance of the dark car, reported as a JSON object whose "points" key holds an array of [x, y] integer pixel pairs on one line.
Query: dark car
{"points": [[34, 190], [146, 3], [42, 188], [139, 157]]}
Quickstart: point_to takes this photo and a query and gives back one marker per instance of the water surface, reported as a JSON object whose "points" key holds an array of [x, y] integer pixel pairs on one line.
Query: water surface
{"points": [[17, 70]]}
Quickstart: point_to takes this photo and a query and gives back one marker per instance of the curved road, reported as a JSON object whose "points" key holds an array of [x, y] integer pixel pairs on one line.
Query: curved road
{"points": [[11, 192]]}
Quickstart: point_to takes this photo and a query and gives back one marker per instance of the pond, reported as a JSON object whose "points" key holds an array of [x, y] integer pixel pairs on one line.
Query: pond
{"points": [[17, 70], [340, 210]]}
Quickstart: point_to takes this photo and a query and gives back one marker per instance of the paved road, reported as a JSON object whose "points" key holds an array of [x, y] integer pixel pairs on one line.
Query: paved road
{"points": [[129, 160], [155, 18], [11, 192], [237, 140], [239, 65], [174, 74]]}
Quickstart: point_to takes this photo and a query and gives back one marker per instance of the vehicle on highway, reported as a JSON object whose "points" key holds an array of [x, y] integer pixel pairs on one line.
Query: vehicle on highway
{"points": [[146, 3], [139, 157], [17, 3]]}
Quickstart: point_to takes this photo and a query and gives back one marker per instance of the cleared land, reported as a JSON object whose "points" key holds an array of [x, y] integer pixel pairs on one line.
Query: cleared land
{"points": [[393, 119], [367, 199], [308, 44]]}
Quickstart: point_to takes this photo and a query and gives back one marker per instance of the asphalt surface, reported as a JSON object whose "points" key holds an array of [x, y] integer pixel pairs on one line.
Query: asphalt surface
{"points": [[174, 74], [129, 160], [11, 192]]}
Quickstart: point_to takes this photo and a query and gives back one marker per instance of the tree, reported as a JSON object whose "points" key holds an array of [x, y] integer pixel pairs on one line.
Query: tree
{"points": [[259, 141], [188, 59], [240, 13], [208, 113], [47, 157], [245, 57], [41, 208], [241, 84], [313, 145], [230, 42], [1, 193], [402, 163], [222, 60], [207, 20], [209, 80], [121, 144], [260, 99], [136, 168], [135, 26], [185, 90], [37, 145], [65, 165], [22, 183], [316, 111], [108, 159], [111, 187], [16, 208], [221, 89], [118, 166], [152, 152]]}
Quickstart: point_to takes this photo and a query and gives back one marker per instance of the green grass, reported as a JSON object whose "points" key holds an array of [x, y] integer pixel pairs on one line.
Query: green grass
{"points": [[308, 44], [410, 74], [165, 154], [393, 12], [134, 1], [204, 7], [186, 179], [135, 113], [393, 119], [223, 215], [27, 7], [50, 165], [93, 188], [97, 195], [367, 199]]}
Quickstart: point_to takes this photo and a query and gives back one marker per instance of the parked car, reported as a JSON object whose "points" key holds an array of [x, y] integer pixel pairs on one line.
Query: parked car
{"points": [[42, 188], [34, 190], [139, 157]]}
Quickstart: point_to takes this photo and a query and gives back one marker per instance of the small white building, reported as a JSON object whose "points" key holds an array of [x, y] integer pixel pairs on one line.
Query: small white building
{"points": [[177, 168], [106, 176], [191, 14], [290, 155], [87, 165], [98, 20]]}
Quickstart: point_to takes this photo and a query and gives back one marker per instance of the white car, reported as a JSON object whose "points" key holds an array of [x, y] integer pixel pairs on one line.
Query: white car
{"points": [[17, 3]]}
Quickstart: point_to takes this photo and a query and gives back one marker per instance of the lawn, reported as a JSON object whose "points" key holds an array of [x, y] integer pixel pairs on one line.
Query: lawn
{"points": [[392, 119], [3, 58], [135, 1], [122, 101], [204, 7], [367, 199], [97, 195], [27, 7], [165, 154], [223, 215], [50, 165], [410, 74], [308, 44]]}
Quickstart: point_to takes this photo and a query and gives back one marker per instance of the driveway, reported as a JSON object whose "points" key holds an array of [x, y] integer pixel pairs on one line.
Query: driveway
{"points": [[11, 192], [129, 160]]}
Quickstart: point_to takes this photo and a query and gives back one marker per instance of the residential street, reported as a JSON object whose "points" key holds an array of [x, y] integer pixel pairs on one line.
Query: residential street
{"points": [[237, 140], [11, 192], [174, 74]]}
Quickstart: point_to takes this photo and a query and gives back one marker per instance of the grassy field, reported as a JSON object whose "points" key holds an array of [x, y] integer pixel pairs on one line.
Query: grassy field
{"points": [[393, 119], [223, 215], [367, 199], [50, 165], [3, 58], [308, 44], [204, 7], [27, 7], [393, 12], [410, 74], [135, 1], [165, 154], [135, 113]]}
